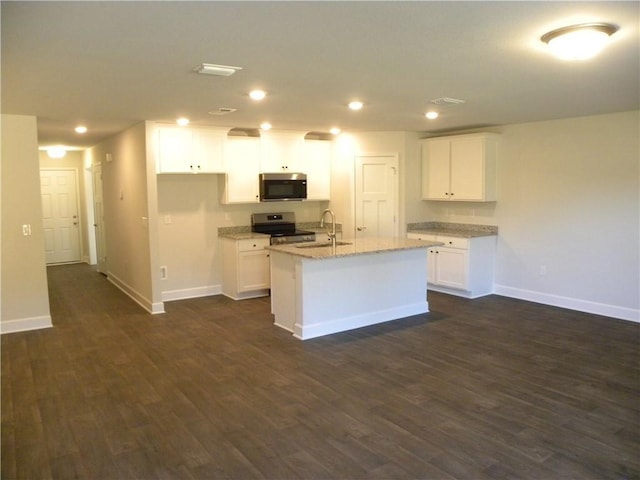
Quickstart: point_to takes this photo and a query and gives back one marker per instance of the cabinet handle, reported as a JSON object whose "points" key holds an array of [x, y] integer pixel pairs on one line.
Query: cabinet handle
{"points": [[452, 194]]}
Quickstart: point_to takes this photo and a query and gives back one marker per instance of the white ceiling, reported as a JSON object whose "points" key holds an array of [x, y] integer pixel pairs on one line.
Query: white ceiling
{"points": [[110, 64]]}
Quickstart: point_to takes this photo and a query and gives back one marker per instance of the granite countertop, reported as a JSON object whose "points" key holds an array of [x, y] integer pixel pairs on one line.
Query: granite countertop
{"points": [[464, 230], [350, 247], [239, 233]]}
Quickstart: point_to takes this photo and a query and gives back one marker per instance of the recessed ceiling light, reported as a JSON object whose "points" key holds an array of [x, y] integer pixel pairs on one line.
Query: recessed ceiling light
{"points": [[211, 69], [334, 131], [182, 121], [257, 94], [579, 42], [356, 105], [265, 126], [431, 115], [81, 129]]}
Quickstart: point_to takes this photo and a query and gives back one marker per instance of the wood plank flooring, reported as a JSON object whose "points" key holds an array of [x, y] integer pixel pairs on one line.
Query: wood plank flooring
{"points": [[490, 388]]}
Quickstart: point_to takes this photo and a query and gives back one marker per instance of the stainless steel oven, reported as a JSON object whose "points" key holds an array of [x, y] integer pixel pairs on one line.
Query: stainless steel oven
{"points": [[281, 227]]}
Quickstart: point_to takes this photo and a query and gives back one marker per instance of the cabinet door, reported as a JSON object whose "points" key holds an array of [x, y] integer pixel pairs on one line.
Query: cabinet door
{"points": [[435, 169], [175, 150], [467, 168], [242, 164], [253, 270], [282, 152], [432, 259], [208, 151], [451, 268], [317, 166]]}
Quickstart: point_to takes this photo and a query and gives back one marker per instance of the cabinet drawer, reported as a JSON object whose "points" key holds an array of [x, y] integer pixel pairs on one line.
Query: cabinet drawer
{"points": [[249, 244], [454, 242]]}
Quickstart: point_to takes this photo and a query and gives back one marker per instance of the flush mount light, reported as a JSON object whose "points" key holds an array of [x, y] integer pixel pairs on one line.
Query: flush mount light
{"points": [[211, 69], [265, 126], [183, 122], [334, 131], [257, 94], [81, 129], [56, 152], [356, 105], [431, 115], [579, 42]]}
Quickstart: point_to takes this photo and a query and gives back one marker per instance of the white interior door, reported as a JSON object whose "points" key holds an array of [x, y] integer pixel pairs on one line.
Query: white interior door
{"points": [[376, 187], [59, 191], [98, 209]]}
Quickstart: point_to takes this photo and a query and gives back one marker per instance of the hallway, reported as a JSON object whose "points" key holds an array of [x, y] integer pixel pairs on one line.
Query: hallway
{"points": [[490, 388]]}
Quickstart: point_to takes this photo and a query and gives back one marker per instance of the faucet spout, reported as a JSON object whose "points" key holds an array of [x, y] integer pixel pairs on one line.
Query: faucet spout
{"points": [[332, 232]]}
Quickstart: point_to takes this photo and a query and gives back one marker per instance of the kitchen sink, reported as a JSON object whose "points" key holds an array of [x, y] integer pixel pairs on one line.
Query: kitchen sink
{"points": [[320, 244]]}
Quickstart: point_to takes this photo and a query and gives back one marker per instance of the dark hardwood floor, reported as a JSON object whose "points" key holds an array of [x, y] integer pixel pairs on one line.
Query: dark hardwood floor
{"points": [[489, 388]]}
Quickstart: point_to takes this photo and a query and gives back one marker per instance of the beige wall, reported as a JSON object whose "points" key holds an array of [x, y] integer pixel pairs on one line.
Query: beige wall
{"points": [[568, 201], [24, 297]]}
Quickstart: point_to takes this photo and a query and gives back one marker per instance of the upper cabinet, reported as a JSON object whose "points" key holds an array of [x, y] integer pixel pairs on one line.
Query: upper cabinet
{"points": [[282, 152], [242, 164], [460, 168], [189, 150], [317, 159]]}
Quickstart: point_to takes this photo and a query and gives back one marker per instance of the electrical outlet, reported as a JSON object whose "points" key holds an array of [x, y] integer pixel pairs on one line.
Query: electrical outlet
{"points": [[543, 270], [26, 229], [163, 273], [167, 219]]}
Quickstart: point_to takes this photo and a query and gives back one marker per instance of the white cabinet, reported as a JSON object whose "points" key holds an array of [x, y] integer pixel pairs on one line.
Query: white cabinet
{"points": [[282, 152], [317, 166], [245, 268], [462, 266], [460, 168], [187, 150], [242, 166]]}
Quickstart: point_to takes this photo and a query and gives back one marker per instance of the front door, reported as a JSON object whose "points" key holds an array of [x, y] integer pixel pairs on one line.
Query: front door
{"points": [[59, 191], [98, 213], [376, 187]]}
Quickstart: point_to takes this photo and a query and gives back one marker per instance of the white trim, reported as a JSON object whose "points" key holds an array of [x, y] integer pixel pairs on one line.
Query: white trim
{"points": [[305, 332], [587, 306], [25, 324], [184, 293], [136, 296]]}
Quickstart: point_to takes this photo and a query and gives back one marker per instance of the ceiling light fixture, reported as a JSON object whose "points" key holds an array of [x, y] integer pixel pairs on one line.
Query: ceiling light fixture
{"points": [[265, 126], [183, 122], [257, 94], [579, 42], [334, 131], [356, 105], [211, 69], [56, 152], [431, 115], [81, 129]]}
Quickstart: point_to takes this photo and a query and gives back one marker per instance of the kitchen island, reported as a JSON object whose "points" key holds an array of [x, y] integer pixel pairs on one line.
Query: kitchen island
{"points": [[318, 289]]}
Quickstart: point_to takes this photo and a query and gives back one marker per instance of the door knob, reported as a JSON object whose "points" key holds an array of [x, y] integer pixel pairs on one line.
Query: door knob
{"points": [[361, 228]]}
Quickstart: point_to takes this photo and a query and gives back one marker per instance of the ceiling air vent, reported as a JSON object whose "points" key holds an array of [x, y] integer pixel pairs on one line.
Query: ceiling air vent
{"points": [[222, 111], [446, 101]]}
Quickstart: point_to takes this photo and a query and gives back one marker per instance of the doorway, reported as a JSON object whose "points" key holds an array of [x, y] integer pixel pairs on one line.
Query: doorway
{"points": [[376, 195], [61, 222]]}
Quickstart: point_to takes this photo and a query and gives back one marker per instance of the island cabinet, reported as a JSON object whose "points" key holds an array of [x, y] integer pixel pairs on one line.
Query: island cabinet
{"points": [[245, 267], [242, 166], [189, 150], [460, 167], [461, 266]]}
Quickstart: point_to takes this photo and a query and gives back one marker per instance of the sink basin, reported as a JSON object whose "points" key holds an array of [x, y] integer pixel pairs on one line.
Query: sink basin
{"points": [[320, 244]]}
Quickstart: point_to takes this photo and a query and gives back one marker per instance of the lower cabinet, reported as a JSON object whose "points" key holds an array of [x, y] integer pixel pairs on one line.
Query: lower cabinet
{"points": [[462, 266], [245, 268]]}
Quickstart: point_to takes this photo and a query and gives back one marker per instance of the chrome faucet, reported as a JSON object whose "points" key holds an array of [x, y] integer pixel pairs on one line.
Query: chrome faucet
{"points": [[332, 233]]}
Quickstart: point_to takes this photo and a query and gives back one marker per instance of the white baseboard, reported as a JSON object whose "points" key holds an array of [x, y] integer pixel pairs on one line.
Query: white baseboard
{"points": [[25, 324], [184, 293], [613, 311], [148, 305]]}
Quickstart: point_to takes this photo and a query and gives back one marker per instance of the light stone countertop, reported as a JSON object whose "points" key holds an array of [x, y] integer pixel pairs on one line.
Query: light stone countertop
{"points": [[462, 230], [243, 235], [350, 247]]}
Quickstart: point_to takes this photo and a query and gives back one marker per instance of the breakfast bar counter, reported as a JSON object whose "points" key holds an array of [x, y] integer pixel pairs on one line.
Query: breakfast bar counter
{"points": [[318, 289]]}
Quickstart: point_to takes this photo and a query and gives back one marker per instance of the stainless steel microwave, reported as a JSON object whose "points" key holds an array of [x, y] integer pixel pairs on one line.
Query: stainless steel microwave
{"points": [[275, 187]]}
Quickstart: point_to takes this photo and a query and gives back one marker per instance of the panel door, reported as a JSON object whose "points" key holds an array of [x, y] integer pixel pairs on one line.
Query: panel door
{"points": [[451, 268], [59, 191], [376, 187]]}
